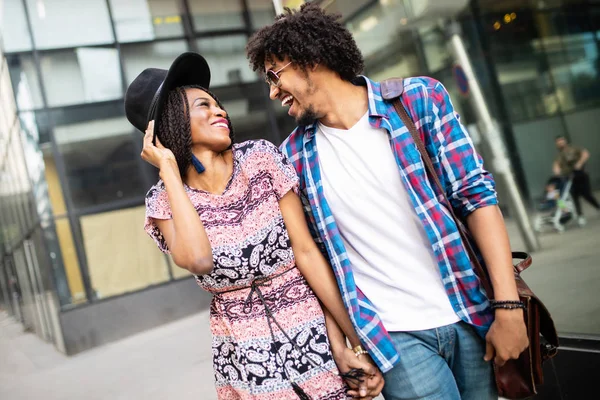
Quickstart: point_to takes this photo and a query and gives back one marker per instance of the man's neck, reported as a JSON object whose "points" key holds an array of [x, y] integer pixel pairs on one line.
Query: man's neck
{"points": [[345, 102]]}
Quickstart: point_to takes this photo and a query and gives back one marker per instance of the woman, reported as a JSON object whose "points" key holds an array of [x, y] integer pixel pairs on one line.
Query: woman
{"points": [[229, 213]]}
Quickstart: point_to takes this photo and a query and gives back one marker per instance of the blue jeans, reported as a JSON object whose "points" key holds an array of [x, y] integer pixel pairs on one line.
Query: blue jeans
{"points": [[442, 363]]}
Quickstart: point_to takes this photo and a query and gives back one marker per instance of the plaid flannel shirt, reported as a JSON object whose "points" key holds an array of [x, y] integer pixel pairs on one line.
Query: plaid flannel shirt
{"points": [[460, 169]]}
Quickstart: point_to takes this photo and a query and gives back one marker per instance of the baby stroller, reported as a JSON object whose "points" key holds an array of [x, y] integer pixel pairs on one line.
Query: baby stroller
{"points": [[557, 208]]}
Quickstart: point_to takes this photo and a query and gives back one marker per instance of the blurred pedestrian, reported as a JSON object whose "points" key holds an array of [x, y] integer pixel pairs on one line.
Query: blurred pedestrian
{"points": [[570, 162], [229, 213], [406, 277]]}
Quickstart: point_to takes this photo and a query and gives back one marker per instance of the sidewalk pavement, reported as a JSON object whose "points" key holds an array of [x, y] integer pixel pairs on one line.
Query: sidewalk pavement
{"points": [[565, 273], [173, 361]]}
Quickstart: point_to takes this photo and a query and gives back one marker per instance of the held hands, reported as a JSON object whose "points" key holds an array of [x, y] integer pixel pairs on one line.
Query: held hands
{"points": [[158, 154], [507, 337], [370, 385]]}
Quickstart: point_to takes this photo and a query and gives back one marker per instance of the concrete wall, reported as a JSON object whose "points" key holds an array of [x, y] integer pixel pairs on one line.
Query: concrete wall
{"points": [[115, 318]]}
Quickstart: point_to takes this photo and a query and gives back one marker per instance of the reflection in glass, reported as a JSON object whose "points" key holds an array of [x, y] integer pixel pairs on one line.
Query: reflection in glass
{"points": [[546, 62], [138, 57], [10, 228], [15, 35], [262, 13], [435, 49], [35, 167], [247, 106], [387, 46], [11, 193], [43, 207], [66, 254], [7, 108], [69, 23], [216, 15], [138, 20], [82, 75], [25, 82], [21, 186], [100, 157], [226, 57]]}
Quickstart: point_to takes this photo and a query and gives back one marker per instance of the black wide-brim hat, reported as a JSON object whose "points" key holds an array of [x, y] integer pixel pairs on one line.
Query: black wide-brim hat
{"points": [[146, 95]]}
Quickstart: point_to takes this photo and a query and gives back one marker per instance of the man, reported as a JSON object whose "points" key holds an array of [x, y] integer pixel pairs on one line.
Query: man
{"points": [[570, 161], [402, 269]]}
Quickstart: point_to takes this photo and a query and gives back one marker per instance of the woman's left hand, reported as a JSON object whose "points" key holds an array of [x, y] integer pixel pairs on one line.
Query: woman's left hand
{"points": [[372, 382]]}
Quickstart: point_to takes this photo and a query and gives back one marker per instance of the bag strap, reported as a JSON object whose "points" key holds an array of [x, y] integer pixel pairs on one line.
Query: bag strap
{"points": [[392, 89]]}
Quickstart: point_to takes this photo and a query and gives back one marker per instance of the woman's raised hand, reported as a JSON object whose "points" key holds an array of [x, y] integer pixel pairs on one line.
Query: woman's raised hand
{"points": [[157, 154]]}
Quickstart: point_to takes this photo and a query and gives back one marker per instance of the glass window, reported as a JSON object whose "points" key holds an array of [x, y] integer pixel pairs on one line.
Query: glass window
{"points": [[572, 56], [25, 82], [69, 23], [388, 47], [12, 186], [10, 226], [81, 75], [226, 56], [7, 110], [121, 257], [216, 15], [15, 33], [22, 185], [7, 101], [435, 50], [344, 7], [138, 20], [521, 65], [247, 107], [34, 158], [58, 263], [138, 57], [42, 121], [60, 237], [262, 13], [101, 159]]}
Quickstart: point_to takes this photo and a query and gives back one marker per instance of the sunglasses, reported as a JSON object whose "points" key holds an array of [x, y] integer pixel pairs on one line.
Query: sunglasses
{"points": [[272, 77]]}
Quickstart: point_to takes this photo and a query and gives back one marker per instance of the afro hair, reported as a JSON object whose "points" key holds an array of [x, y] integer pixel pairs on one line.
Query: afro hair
{"points": [[307, 37]]}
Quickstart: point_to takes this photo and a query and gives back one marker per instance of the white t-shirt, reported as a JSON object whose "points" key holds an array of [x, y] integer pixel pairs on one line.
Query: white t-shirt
{"points": [[392, 259]]}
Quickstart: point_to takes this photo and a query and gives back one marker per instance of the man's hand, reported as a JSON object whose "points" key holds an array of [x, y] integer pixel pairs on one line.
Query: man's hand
{"points": [[507, 337], [372, 382]]}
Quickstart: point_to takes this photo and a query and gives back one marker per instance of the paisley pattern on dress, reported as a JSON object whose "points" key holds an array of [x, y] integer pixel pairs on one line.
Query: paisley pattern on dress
{"points": [[253, 359]]}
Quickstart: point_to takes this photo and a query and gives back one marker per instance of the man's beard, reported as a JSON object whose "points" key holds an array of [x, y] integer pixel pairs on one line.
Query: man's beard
{"points": [[307, 117]]}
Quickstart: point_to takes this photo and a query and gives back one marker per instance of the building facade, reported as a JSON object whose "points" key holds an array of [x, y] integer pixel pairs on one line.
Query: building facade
{"points": [[75, 264]]}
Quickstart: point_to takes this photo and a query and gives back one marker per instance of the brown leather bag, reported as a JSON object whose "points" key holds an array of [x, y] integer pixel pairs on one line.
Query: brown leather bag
{"points": [[517, 379]]}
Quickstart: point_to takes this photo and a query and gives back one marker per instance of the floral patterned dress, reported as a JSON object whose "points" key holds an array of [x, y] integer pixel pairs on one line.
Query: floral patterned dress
{"points": [[254, 277]]}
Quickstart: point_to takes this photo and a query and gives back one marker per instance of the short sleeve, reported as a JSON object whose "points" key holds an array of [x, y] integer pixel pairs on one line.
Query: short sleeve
{"points": [[283, 174], [157, 207]]}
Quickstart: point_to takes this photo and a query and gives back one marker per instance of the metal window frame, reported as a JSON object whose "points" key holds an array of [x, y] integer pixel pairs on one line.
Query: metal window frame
{"points": [[74, 213]]}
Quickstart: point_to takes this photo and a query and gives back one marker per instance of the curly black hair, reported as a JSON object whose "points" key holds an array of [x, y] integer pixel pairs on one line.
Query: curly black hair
{"points": [[307, 37], [174, 129]]}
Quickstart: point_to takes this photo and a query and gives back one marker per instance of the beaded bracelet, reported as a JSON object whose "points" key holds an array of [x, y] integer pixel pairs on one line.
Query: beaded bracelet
{"points": [[507, 304]]}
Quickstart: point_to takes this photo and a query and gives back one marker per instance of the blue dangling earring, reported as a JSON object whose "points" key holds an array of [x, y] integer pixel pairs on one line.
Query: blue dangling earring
{"points": [[197, 164]]}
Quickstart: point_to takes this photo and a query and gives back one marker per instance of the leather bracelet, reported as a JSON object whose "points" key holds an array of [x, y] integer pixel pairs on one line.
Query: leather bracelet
{"points": [[507, 304]]}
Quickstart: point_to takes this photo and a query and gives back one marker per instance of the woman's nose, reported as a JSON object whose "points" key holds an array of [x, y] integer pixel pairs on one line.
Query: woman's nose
{"points": [[220, 112]]}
